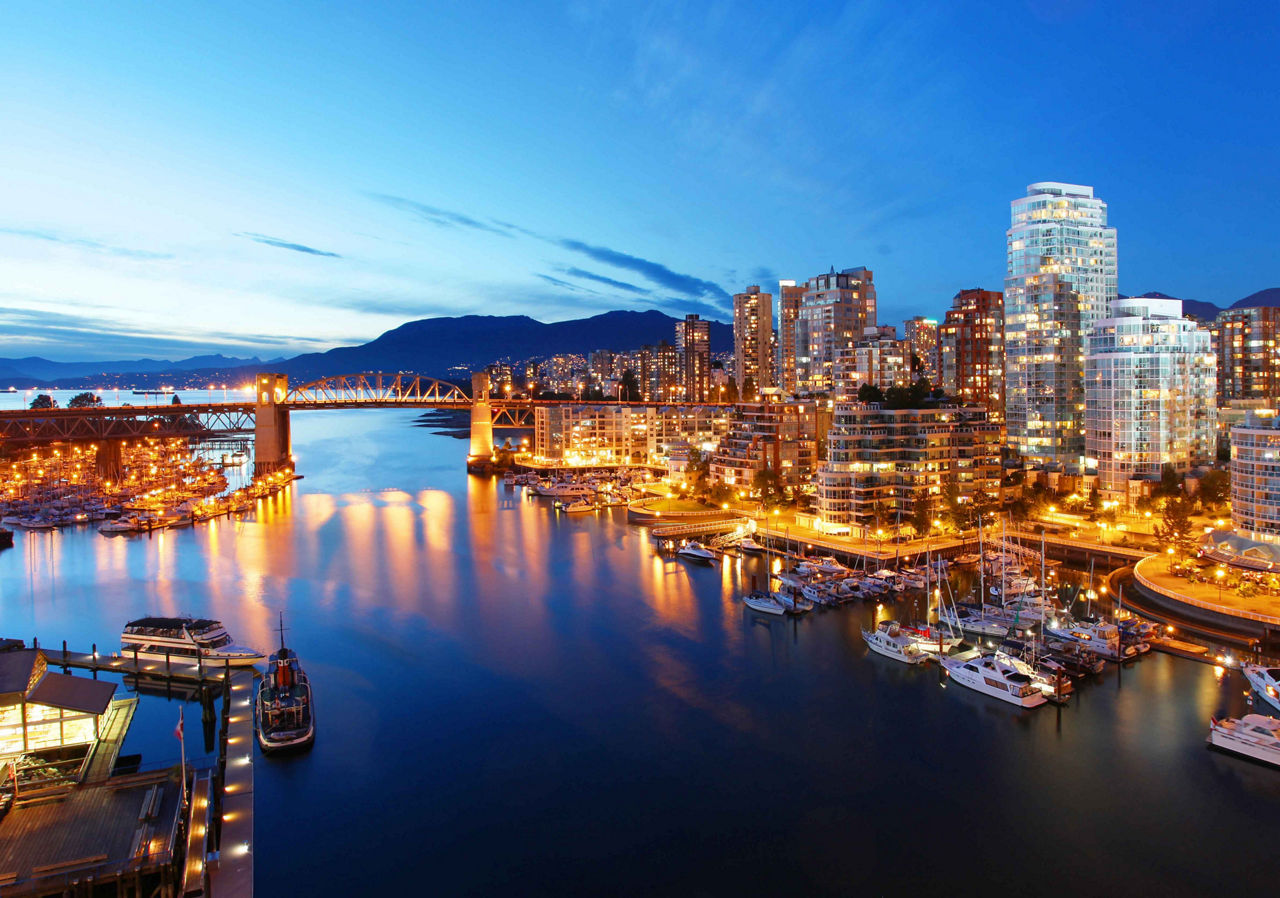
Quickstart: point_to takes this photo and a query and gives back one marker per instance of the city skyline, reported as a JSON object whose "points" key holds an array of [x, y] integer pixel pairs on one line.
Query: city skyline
{"points": [[263, 203]]}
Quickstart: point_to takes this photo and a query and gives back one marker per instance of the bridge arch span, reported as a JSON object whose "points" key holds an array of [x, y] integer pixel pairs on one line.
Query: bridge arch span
{"points": [[375, 388]]}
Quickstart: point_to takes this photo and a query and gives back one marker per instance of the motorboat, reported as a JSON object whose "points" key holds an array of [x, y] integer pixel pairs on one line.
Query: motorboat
{"points": [[972, 620], [888, 639], [1253, 736], [763, 602], [578, 506], [284, 712], [750, 546], [184, 638], [1097, 637], [818, 594], [997, 677], [696, 551], [931, 638], [792, 602], [565, 490], [1265, 681]]}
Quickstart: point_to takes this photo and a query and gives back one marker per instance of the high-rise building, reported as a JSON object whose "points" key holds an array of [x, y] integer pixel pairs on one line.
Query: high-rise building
{"points": [[834, 311], [971, 350], [752, 341], [1061, 281], [777, 432], [693, 341], [1255, 477], [881, 461], [789, 297], [1248, 346], [1149, 395], [921, 335], [877, 358]]}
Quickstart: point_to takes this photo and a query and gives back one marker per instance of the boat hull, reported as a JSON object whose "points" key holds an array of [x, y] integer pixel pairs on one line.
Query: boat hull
{"points": [[1224, 741]]}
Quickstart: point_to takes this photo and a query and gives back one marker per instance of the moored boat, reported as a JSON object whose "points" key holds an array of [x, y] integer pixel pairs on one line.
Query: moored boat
{"points": [[888, 639], [750, 546], [184, 638], [1253, 736], [996, 677], [1265, 681], [284, 712], [763, 602], [696, 551]]}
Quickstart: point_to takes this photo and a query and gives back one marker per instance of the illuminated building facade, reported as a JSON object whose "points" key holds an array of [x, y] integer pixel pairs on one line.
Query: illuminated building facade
{"points": [[693, 341], [971, 350], [789, 297], [1150, 381], [1060, 282], [921, 335], [752, 341], [775, 433], [44, 710], [834, 311], [1248, 347], [611, 434], [879, 461], [1255, 477]]}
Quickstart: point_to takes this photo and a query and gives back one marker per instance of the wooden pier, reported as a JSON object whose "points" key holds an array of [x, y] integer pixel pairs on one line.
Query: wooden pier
{"points": [[233, 872], [174, 667]]}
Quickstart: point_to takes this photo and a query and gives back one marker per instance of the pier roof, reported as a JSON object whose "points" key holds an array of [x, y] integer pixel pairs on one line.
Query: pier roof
{"points": [[73, 693]]}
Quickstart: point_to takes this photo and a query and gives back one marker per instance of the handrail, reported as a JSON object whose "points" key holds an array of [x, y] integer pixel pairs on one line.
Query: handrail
{"points": [[1198, 603]]}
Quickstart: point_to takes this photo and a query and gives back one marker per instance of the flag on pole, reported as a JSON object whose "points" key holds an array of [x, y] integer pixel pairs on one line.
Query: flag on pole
{"points": [[177, 731]]}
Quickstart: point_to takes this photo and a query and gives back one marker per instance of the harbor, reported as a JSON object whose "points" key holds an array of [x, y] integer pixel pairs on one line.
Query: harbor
{"points": [[526, 633]]}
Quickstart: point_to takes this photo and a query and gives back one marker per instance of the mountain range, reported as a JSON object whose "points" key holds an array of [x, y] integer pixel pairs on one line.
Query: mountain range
{"points": [[1207, 311], [440, 347]]}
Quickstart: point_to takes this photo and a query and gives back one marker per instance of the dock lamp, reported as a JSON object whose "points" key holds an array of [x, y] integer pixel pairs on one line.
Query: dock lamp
{"points": [[1219, 573], [1169, 552]]}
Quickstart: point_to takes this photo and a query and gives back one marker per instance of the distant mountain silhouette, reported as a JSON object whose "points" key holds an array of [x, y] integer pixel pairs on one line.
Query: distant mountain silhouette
{"points": [[1267, 297], [442, 347], [34, 367], [1194, 308]]}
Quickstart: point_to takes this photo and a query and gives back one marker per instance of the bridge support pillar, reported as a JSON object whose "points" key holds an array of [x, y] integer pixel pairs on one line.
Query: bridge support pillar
{"points": [[272, 446], [108, 461], [480, 458]]}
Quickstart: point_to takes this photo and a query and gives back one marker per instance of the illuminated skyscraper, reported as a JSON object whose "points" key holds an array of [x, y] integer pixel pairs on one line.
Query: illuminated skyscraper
{"points": [[752, 341], [835, 310], [1061, 281], [1149, 395], [1248, 342], [971, 349], [789, 296], [921, 335], [693, 340]]}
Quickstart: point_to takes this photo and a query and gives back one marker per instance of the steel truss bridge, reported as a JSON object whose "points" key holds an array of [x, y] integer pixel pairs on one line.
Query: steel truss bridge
{"points": [[272, 403]]}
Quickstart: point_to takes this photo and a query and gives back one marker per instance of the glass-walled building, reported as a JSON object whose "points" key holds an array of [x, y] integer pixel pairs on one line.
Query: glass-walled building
{"points": [[1150, 382], [1060, 281], [1255, 477]]}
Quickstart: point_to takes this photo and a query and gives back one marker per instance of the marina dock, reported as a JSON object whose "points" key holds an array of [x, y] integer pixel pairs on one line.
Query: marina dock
{"points": [[172, 668], [233, 872]]}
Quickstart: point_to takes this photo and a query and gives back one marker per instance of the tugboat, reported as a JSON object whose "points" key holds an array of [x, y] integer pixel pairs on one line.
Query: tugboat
{"points": [[283, 711]]}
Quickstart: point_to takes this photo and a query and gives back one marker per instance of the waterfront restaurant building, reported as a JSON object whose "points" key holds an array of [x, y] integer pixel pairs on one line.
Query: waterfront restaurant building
{"points": [[881, 460], [42, 710]]}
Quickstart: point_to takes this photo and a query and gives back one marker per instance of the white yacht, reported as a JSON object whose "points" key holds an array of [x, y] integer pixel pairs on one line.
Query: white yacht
{"points": [[1097, 637], [791, 602], [579, 506], [764, 602], [1254, 736], [931, 638], [1264, 680], [696, 551], [565, 490], [971, 620], [889, 640], [184, 638], [998, 678], [750, 546]]}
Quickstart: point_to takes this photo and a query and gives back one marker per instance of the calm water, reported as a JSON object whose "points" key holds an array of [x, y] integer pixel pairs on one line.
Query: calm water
{"points": [[512, 702]]}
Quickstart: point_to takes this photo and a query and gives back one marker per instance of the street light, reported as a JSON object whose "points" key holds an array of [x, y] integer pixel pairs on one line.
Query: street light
{"points": [[1219, 573], [1169, 552]]}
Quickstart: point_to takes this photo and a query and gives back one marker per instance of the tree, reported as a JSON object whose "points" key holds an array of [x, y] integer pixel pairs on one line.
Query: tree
{"points": [[1170, 482], [768, 484], [922, 514], [1095, 499], [731, 391], [870, 393], [749, 391], [44, 400], [698, 470], [1215, 488], [177, 400], [629, 387], [1175, 521], [84, 400]]}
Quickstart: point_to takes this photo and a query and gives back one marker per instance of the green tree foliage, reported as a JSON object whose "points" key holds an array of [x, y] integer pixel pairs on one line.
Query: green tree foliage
{"points": [[1215, 488], [85, 400], [1170, 482], [870, 393], [922, 514], [1175, 525], [44, 400], [698, 471], [768, 484]]}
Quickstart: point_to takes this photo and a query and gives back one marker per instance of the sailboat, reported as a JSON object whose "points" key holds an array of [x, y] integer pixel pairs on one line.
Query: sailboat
{"points": [[283, 711]]}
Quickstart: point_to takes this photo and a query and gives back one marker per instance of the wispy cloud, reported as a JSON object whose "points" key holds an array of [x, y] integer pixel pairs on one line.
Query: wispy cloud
{"points": [[566, 285], [653, 271], [82, 243], [601, 279], [443, 218], [285, 244]]}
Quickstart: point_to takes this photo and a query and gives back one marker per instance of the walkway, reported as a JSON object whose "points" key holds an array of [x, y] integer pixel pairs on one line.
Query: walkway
{"points": [[233, 874], [107, 749]]}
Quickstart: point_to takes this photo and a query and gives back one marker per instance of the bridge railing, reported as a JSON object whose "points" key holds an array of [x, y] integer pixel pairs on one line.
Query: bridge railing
{"points": [[377, 388]]}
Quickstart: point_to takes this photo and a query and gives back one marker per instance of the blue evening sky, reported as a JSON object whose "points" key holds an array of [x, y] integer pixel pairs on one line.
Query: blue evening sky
{"points": [[271, 178]]}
